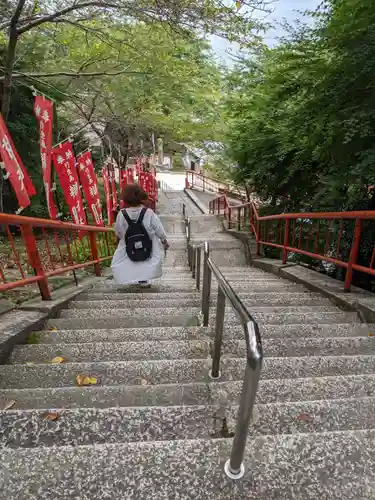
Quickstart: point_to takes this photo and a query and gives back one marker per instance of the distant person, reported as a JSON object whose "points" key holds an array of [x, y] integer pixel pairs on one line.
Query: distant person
{"points": [[141, 240]]}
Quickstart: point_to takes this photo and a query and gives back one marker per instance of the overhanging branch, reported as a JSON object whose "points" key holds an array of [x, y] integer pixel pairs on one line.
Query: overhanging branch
{"points": [[69, 74]]}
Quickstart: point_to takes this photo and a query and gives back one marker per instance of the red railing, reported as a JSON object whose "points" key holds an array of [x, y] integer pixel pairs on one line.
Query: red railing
{"points": [[195, 180], [33, 250], [334, 237]]}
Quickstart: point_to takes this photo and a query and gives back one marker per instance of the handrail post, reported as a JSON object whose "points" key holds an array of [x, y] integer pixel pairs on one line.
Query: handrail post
{"points": [[286, 241], [34, 259], [353, 254], [206, 292], [219, 326], [257, 236], [94, 253], [239, 219], [198, 269], [229, 218], [193, 261], [234, 467]]}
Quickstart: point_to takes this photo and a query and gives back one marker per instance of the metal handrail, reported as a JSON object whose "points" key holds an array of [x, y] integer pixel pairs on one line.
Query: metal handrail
{"points": [[234, 467]]}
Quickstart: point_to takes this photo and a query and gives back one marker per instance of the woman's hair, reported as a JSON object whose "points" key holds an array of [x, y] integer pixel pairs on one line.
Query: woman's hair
{"points": [[133, 195]]}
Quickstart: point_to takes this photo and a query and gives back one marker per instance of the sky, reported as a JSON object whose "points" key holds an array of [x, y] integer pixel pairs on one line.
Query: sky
{"points": [[282, 9]]}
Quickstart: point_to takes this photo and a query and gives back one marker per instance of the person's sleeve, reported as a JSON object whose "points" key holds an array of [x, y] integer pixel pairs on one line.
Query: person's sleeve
{"points": [[119, 227], [157, 226]]}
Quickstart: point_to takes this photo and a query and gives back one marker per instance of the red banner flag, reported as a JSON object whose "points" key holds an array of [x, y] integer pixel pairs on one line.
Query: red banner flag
{"points": [[43, 109], [111, 172], [108, 197], [123, 183], [130, 175], [89, 183], [16, 172], [64, 161], [141, 179]]}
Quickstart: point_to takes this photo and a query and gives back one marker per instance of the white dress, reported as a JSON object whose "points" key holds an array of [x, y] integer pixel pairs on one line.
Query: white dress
{"points": [[124, 270]]}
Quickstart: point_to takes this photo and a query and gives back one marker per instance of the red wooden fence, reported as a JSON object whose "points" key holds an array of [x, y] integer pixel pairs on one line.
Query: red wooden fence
{"points": [[319, 235]]}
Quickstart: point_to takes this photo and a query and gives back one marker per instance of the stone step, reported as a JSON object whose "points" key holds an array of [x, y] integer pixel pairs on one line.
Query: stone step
{"points": [[133, 307], [87, 321], [115, 351], [122, 290], [121, 335], [112, 318], [178, 371], [191, 349], [95, 300], [139, 313], [76, 427], [190, 333], [194, 349], [211, 393], [283, 317], [233, 278], [268, 296], [340, 465], [189, 286], [276, 347]]}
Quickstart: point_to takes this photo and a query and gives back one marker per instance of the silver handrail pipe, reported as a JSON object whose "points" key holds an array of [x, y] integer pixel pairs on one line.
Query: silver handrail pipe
{"points": [[234, 467]]}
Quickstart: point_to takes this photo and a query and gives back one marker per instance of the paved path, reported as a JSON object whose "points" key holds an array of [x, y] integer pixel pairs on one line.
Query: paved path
{"points": [[171, 202]]}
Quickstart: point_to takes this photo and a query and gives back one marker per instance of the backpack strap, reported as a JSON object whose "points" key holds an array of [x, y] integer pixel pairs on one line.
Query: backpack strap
{"points": [[127, 218], [142, 215]]}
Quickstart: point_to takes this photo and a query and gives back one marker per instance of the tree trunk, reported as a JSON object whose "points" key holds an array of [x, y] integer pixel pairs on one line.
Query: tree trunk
{"points": [[8, 71]]}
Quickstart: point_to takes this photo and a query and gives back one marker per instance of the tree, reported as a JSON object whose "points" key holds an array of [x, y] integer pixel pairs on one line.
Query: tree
{"points": [[302, 116], [183, 16]]}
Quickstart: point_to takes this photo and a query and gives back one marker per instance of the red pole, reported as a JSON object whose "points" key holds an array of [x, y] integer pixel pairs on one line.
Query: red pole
{"points": [[94, 253], [353, 255], [286, 239], [34, 259], [258, 238]]}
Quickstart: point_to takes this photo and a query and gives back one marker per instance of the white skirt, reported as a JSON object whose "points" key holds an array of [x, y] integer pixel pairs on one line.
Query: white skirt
{"points": [[126, 272]]}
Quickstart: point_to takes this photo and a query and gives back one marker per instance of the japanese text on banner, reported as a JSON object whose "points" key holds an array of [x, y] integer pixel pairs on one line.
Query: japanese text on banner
{"points": [[89, 183], [43, 109], [64, 161], [15, 171]]}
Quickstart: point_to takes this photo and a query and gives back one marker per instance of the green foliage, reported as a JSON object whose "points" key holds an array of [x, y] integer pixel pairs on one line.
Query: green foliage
{"points": [[302, 115]]}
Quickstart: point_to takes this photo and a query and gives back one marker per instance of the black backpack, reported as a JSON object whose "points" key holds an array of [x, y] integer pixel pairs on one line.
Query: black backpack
{"points": [[137, 241]]}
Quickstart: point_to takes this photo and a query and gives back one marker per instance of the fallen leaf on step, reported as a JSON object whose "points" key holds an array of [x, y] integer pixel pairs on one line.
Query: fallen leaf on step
{"points": [[52, 329], [305, 418], [52, 416], [9, 405], [85, 380], [144, 381], [58, 360]]}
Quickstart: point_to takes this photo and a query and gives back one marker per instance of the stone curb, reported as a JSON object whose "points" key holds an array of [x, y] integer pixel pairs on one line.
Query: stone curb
{"points": [[196, 201]]}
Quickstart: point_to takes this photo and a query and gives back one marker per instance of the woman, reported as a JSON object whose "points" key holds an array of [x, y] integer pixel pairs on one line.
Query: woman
{"points": [[126, 270]]}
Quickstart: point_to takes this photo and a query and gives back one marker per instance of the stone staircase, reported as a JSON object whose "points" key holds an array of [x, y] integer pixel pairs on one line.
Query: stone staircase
{"points": [[156, 426]]}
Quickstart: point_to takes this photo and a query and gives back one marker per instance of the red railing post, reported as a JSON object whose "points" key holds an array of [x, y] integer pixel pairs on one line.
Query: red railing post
{"points": [[286, 241], [258, 238], [94, 253], [229, 218], [353, 254], [34, 259]]}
